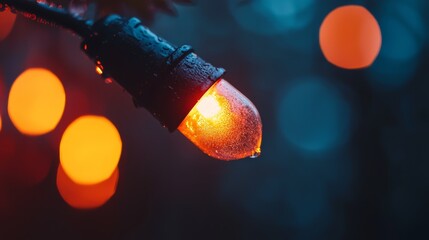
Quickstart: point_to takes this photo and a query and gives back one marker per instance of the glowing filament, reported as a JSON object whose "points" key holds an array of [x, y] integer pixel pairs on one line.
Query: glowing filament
{"points": [[208, 106]]}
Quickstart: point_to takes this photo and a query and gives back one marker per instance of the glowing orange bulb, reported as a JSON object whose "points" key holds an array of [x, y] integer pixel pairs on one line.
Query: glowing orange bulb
{"points": [[224, 124], [86, 196], [90, 149], [98, 70], [1, 124], [36, 102], [7, 20], [350, 37]]}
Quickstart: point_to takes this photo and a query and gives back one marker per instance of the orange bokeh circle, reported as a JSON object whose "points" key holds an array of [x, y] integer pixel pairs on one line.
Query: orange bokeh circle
{"points": [[350, 37], [86, 196]]}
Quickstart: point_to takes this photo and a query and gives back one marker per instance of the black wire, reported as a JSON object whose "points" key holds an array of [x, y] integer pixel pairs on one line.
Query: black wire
{"points": [[41, 12]]}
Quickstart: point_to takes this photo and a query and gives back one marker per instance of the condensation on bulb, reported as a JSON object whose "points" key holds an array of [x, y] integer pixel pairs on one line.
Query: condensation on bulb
{"points": [[224, 124]]}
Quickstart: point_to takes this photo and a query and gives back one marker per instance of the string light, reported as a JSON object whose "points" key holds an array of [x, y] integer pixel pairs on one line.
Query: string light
{"points": [[224, 124], [166, 80], [179, 88]]}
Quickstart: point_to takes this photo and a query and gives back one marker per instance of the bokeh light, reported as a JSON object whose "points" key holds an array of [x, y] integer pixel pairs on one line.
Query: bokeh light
{"points": [[7, 20], [86, 196], [313, 115], [90, 149], [404, 29], [350, 37], [36, 102], [1, 123], [270, 17]]}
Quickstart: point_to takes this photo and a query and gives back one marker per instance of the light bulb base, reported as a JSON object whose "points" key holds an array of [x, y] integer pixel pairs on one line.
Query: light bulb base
{"points": [[166, 80]]}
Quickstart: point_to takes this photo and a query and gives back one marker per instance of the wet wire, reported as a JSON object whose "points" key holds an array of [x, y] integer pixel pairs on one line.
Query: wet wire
{"points": [[43, 13]]}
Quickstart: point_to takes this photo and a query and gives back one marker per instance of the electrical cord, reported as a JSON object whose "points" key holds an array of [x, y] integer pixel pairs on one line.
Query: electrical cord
{"points": [[43, 13]]}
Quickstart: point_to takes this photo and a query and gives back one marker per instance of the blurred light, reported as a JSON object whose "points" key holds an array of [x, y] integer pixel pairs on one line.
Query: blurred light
{"points": [[98, 70], [78, 7], [269, 17], [405, 29], [36, 102], [7, 20], [90, 149], [208, 106], [350, 37], [404, 32], [224, 124], [86, 196], [313, 115], [1, 123]]}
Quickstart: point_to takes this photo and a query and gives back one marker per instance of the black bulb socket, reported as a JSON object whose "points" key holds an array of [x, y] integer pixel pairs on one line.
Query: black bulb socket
{"points": [[166, 80]]}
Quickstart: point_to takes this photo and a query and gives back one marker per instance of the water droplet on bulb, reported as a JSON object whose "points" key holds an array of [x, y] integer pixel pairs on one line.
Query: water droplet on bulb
{"points": [[42, 1], [99, 69], [256, 154], [78, 7]]}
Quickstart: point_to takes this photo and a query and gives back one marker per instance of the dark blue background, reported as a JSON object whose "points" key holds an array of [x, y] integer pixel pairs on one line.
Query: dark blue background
{"points": [[345, 154]]}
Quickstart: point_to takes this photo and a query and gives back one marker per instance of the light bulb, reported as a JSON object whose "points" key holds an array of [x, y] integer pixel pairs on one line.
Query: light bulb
{"points": [[224, 124], [177, 87]]}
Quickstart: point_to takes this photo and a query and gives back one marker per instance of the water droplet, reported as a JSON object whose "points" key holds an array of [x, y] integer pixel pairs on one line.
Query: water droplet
{"points": [[108, 80], [78, 7], [99, 68], [256, 154], [42, 1]]}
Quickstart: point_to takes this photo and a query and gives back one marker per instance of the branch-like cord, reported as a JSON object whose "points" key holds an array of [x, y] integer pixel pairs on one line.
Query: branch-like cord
{"points": [[44, 13]]}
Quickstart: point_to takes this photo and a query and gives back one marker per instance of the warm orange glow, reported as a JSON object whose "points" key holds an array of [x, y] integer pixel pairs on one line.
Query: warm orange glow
{"points": [[98, 70], [90, 149], [1, 124], [224, 124], [86, 196], [7, 20], [350, 37], [36, 102], [208, 106]]}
